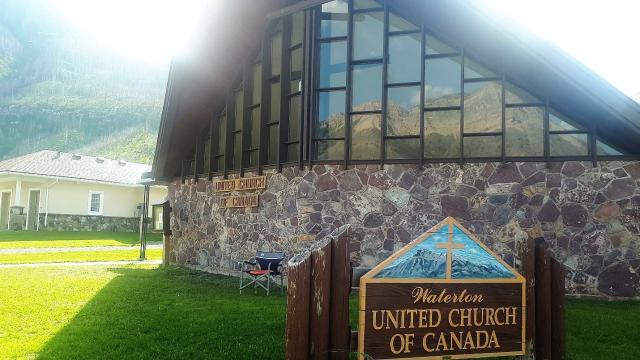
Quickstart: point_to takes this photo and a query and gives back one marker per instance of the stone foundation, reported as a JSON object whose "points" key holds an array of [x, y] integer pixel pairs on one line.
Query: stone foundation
{"points": [[62, 222], [589, 217]]}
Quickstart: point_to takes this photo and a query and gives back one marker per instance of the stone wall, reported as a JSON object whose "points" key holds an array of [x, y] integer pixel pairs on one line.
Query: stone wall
{"points": [[590, 217], [62, 222]]}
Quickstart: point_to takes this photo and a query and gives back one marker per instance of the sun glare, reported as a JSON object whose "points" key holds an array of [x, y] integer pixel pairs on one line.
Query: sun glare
{"points": [[148, 30], [601, 34]]}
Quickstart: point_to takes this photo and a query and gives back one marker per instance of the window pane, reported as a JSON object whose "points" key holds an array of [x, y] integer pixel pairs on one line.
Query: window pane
{"points": [[366, 87], [403, 111], [237, 150], [402, 148], [330, 114], [219, 163], [294, 118], [253, 158], [434, 46], [297, 28], [559, 123], [333, 64], [482, 146], [396, 23], [442, 78], [257, 84], [238, 111], [404, 58], [604, 149], [442, 134], [368, 30], [292, 152], [207, 155], [334, 19], [569, 144], [276, 54], [366, 4], [515, 95], [95, 202], [273, 144], [329, 150], [296, 70], [365, 136], [473, 70], [524, 131], [255, 127], [482, 107], [222, 134], [275, 103]]}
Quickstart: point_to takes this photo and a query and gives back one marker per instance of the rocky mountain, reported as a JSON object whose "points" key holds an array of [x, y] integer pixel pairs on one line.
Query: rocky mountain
{"points": [[423, 263], [483, 114], [427, 264], [60, 91]]}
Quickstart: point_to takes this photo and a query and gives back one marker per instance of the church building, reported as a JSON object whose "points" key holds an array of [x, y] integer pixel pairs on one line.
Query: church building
{"points": [[390, 116]]}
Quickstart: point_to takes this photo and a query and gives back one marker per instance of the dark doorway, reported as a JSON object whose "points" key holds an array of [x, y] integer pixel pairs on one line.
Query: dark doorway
{"points": [[34, 207]]}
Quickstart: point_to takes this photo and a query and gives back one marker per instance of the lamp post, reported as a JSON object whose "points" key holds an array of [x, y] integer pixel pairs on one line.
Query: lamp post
{"points": [[147, 180]]}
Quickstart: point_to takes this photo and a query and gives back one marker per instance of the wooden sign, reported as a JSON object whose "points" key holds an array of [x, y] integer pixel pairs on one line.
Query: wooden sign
{"points": [[244, 201], [250, 183], [445, 294]]}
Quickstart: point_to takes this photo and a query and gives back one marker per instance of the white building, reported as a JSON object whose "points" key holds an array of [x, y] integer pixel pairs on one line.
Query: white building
{"points": [[50, 190]]}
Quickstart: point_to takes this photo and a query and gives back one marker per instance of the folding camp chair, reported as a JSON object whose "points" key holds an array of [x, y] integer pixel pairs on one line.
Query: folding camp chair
{"points": [[263, 270]]}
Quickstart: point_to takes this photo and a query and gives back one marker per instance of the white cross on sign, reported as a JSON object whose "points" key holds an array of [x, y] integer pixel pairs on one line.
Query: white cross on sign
{"points": [[450, 245]]}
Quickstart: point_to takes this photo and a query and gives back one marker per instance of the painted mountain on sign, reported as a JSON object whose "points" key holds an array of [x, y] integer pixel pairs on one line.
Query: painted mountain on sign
{"points": [[428, 259], [423, 263]]}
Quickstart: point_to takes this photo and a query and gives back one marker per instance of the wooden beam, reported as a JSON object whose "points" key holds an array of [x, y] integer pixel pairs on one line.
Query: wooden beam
{"points": [[298, 309]]}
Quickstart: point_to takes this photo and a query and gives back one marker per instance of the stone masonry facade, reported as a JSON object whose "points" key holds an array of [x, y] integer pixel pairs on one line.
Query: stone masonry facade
{"points": [[589, 216], [62, 222]]}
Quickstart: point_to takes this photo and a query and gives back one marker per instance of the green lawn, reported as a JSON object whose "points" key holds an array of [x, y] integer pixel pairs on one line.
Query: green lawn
{"points": [[32, 239], [77, 256], [145, 312], [134, 312]]}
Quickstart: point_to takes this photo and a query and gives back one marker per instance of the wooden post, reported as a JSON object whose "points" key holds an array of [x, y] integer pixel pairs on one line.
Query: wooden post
{"points": [[320, 299], [529, 272], [166, 233], [557, 310], [298, 294], [339, 332], [543, 304]]}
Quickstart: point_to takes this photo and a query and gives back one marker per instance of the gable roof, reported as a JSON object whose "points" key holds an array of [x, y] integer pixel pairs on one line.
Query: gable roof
{"points": [[72, 166], [197, 86]]}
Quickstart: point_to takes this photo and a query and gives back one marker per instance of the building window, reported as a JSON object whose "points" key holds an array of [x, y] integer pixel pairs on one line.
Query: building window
{"points": [[384, 89], [96, 202], [157, 216]]}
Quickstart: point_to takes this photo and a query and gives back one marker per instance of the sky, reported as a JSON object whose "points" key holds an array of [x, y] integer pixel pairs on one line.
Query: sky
{"points": [[604, 35], [601, 34]]}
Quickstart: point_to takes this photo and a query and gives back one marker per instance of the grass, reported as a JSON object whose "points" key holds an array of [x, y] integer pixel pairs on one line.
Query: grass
{"points": [[134, 312], [145, 312], [603, 329], [75, 256], [38, 239]]}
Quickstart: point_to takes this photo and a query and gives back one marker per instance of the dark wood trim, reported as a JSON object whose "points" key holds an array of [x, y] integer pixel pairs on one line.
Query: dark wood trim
{"points": [[384, 95], [265, 101], [230, 128], [423, 83], [285, 84], [246, 114], [503, 125], [461, 105], [213, 145], [348, 96]]}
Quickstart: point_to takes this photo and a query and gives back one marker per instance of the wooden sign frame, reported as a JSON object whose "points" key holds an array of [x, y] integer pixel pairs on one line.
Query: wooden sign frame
{"points": [[369, 278]]}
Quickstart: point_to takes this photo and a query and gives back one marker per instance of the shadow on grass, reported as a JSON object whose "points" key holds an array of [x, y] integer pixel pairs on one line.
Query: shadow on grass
{"points": [[172, 314]]}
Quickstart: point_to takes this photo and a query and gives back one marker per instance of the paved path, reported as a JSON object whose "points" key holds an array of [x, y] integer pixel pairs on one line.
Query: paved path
{"points": [[84, 263], [69, 249]]}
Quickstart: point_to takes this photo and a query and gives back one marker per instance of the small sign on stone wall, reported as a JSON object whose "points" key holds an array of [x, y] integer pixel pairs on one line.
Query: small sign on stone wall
{"points": [[242, 201], [444, 295], [249, 183]]}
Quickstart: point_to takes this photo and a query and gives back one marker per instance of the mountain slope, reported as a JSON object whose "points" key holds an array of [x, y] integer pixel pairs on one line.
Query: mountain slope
{"points": [[60, 91]]}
